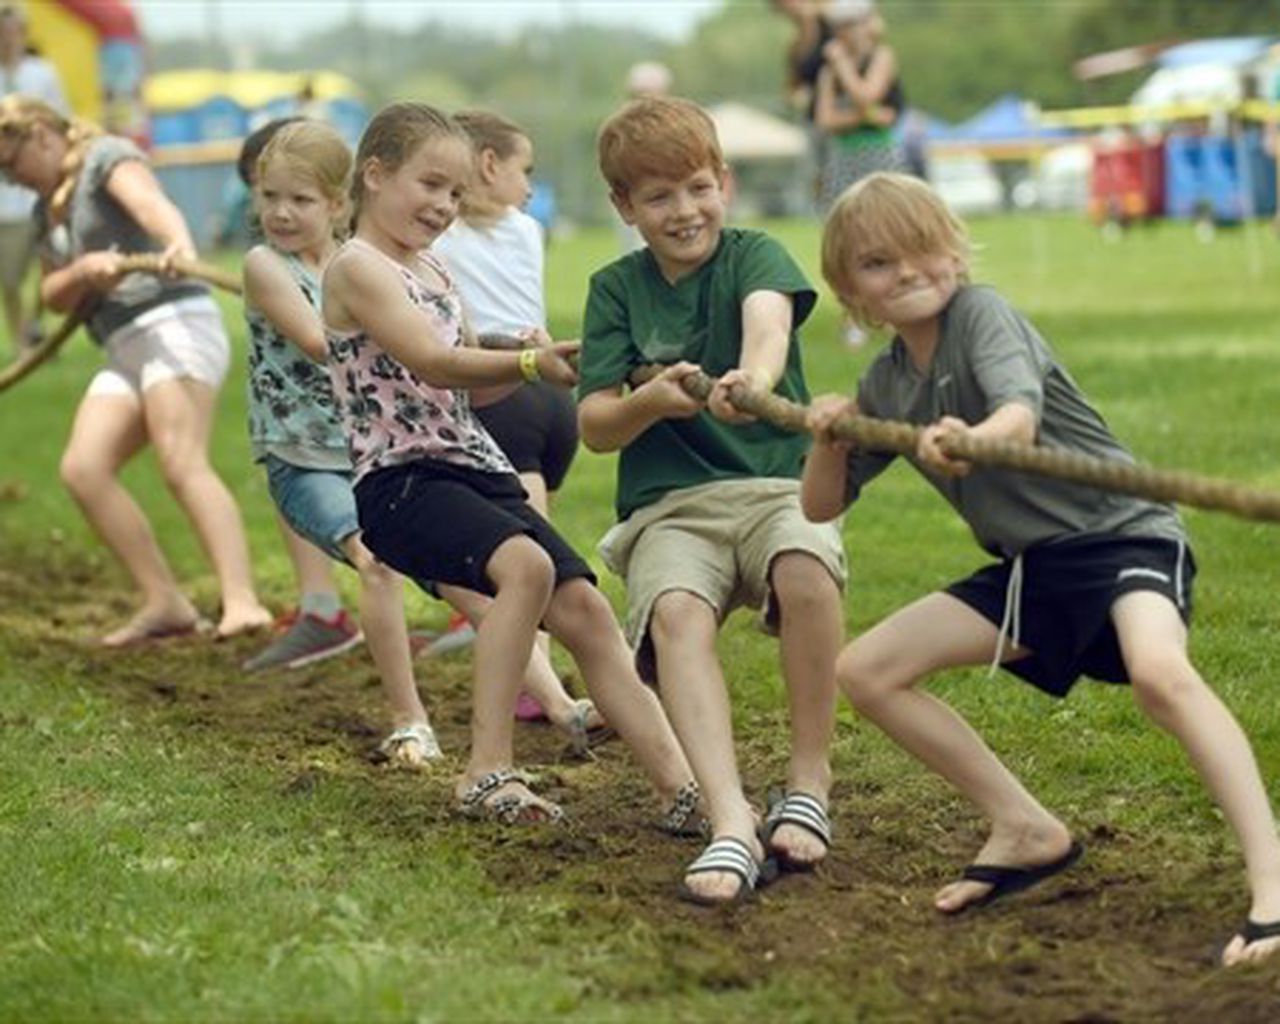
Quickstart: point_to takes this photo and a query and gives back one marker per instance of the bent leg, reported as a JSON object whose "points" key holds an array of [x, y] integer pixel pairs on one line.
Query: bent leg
{"points": [[879, 673], [107, 432], [179, 417], [523, 577], [580, 617], [1169, 690]]}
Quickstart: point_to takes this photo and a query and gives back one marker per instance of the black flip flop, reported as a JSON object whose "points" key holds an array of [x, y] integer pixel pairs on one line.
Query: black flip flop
{"points": [[1254, 932], [1005, 880]]}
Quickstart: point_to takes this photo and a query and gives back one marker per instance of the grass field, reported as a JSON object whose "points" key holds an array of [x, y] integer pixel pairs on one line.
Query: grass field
{"points": [[179, 841]]}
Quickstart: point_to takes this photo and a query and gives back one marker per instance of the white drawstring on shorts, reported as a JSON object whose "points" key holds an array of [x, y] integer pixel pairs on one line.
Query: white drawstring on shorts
{"points": [[1011, 621]]}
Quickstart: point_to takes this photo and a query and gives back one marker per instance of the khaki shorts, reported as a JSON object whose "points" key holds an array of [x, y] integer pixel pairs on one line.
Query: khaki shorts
{"points": [[718, 542], [17, 250]]}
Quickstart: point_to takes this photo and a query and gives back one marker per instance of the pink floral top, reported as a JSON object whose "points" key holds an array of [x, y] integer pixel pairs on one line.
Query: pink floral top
{"points": [[390, 416]]}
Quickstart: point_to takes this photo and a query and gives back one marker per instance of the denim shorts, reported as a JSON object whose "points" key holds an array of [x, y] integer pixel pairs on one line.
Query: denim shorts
{"points": [[318, 504]]}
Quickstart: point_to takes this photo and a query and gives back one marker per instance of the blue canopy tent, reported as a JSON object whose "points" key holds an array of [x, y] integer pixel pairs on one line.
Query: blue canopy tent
{"points": [[1005, 130]]}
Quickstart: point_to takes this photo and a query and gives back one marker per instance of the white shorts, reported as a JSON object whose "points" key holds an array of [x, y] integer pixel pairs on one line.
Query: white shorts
{"points": [[183, 339]]}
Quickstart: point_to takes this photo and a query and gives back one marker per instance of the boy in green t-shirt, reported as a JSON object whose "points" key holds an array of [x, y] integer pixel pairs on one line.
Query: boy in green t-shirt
{"points": [[708, 499]]}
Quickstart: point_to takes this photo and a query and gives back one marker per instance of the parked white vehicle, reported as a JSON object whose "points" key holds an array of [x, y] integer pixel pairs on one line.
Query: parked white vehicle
{"points": [[967, 182], [1060, 180]]}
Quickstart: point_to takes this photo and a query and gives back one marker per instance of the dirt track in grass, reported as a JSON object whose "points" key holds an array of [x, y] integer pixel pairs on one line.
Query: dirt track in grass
{"points": [[1131, 934]]}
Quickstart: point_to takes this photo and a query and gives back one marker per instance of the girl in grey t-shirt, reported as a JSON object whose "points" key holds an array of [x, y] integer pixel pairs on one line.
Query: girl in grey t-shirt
{"points": [[166, 353]]}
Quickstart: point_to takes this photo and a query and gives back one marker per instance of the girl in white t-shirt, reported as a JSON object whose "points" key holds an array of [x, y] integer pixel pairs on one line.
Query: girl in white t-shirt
{"points": [[495, 252]]}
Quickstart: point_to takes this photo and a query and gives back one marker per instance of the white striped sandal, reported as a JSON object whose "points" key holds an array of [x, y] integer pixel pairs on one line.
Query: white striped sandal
{"points": [[731, 856], [519, 805], [805, 812]]}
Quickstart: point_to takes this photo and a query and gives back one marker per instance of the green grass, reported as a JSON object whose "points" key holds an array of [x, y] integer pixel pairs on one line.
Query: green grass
{"points": [[178, 842]]}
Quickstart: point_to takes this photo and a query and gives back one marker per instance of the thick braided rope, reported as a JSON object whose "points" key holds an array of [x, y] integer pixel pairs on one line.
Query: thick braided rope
{"points": [[1140, 481]]}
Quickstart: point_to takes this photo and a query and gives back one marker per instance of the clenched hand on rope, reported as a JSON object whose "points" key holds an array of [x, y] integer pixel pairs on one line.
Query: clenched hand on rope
{"points": [[864, 432], [114, 267]]}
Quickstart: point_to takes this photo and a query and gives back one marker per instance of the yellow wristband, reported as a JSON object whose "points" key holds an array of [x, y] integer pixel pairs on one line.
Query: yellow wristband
{"points": [[528, 363]]}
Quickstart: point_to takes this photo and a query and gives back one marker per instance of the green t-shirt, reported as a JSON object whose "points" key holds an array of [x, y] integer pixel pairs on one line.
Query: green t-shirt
{"points": [[635, 317]]}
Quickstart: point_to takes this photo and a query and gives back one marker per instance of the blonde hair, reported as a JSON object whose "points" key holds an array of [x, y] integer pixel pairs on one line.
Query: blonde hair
{"points": [[488, 131], [657, 136], [19, 116], [392, 137], [897, 213], [314, 150]]}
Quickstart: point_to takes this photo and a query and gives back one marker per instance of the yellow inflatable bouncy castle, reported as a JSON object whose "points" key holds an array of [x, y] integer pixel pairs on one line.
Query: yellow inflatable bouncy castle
{"points": [[97, 47]]}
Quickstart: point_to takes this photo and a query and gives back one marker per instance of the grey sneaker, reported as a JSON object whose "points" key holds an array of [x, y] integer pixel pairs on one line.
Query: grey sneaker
{"points": [[308, 640]]}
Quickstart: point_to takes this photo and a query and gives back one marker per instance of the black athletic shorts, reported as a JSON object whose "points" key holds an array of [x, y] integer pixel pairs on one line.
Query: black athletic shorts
{"points": [[1068, 589], [431, 520], [536, 426]]}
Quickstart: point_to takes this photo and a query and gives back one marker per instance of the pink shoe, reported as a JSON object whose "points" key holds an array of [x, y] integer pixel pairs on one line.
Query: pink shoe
{"points": [[528, 709]]}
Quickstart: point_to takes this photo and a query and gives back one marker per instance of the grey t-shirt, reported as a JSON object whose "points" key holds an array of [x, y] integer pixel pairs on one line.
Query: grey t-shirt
{"points": [[95, 221], [987, 356]]}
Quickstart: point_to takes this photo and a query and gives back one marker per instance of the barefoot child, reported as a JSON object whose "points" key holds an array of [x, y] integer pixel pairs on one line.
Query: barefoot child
{"points": [[494, 251], [166, 354], [709, 501], [437, 498], [1088, 583]]}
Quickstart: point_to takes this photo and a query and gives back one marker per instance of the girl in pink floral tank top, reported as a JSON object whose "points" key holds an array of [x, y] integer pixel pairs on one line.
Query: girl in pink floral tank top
{"points": [[436, 498], [391, 416]]}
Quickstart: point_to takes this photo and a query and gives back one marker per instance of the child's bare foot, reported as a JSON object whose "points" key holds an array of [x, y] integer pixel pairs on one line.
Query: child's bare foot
{"points": [[238, 619], [155, 622], [1008, 862]]}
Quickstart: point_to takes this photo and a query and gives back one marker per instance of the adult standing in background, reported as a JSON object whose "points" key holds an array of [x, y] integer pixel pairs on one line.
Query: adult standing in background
{"points": [[21, 71], [859, 98], [804, 62]]}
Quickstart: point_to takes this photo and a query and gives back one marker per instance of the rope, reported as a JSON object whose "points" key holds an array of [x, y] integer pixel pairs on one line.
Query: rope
{"points": [[147, 263], [1214, 494]]}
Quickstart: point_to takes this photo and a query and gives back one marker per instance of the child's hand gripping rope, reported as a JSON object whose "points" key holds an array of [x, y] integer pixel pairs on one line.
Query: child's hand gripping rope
{"points": [[104, 273], [957, 445]]}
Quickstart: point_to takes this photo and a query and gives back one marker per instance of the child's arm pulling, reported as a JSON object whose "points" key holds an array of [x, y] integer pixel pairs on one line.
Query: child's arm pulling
{"points": [[271, 289], [766, 336], [372, 296], [609, 420], [826, 469]]}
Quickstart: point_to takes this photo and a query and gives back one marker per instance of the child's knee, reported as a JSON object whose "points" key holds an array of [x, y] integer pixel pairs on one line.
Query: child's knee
{"points": [[521, 564], [677, 614], [802, 585], [1163, 681], [866, 676], [80, 475]]}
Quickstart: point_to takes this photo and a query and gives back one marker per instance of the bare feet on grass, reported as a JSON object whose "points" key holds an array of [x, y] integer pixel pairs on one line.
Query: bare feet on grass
{"points": [[175, 617], [241, 617]]}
